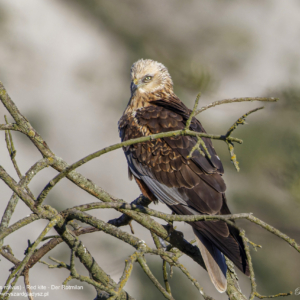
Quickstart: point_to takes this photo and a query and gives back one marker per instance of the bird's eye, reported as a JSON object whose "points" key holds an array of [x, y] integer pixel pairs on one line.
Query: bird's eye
{"points": [[147, 78]]}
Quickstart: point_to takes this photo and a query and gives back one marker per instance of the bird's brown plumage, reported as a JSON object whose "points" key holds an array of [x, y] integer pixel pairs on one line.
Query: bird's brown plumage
{"points": [[163, 170]]}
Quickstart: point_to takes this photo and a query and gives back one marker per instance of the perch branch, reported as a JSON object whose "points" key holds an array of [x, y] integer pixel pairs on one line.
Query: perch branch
{"points": [[191, 218]]}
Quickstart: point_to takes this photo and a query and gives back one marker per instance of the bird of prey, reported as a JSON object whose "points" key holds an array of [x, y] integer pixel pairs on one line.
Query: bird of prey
{"points": [[164, 171]]}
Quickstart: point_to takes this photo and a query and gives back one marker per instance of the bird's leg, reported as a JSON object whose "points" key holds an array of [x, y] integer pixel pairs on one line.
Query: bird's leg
{"points": [[169, 227]]}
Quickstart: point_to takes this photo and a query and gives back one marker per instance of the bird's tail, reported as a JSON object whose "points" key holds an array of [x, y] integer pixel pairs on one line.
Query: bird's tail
{"points": [[214, 261], [216, 239]]}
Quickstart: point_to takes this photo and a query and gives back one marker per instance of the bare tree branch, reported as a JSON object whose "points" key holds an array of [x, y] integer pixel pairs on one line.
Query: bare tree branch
{"points": [[106, 288], [27, 285], [191, 218], [234, 100], [40, 165]]}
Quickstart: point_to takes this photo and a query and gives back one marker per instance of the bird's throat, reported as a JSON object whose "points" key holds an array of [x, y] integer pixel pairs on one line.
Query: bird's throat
{"points": [[136, 101]]}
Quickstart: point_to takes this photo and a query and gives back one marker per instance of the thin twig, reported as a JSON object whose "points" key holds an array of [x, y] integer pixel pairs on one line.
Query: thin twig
{"points": [[58, 266], [273, 296], [10, 208], [9, 256], [19, 224], [75, 275], [72, 259], [173, 261], [10, 126], [13, 152], [199, 143], [193, 280], [188, 122], [255, 246], [241, 120], [254, 292], [104, 281], [146, 269], [37, 167], [27, 285], [233, 156], [164, 263], [249, 260], [263, 99], [125, 276], [196, 147], [19, 269], [65, 282], [18, 190], [42, 251], [165, 276]]}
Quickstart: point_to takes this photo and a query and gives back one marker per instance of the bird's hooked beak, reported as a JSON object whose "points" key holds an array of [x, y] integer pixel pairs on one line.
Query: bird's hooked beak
{"points": [[134, 85]]}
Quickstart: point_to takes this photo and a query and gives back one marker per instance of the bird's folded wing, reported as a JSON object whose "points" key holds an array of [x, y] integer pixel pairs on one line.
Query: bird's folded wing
{"points": [[176, 106], [187, 185], [163, 164]]}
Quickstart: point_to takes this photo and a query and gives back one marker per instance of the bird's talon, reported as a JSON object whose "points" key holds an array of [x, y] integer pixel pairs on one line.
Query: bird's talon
{"points": [[170, 228]]}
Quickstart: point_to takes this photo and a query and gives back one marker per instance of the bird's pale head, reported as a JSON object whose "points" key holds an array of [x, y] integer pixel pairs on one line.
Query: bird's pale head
{"points": [[149, 76]]}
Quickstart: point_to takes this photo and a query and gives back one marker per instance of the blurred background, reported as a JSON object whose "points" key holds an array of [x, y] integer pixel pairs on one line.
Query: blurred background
{"points": [[66, 65]]}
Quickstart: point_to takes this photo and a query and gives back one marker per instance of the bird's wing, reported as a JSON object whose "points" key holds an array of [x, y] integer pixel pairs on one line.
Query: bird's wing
{"points": [[163, 165], [175, 105]]}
